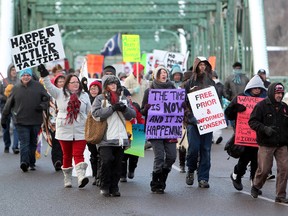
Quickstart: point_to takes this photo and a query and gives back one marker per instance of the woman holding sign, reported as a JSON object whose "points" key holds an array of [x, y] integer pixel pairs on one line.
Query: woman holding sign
{"points": [[164, 149]]}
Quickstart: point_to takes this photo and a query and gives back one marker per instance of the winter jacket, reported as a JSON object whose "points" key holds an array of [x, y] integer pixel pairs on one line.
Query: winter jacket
{"points": [[65, 131], [264, 114], [24, 102], [115, 134], [231, 89]]}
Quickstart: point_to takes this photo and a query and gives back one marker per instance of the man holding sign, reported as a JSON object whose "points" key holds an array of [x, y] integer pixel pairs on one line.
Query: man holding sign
{"points": [[201, 78], [163, 124]]}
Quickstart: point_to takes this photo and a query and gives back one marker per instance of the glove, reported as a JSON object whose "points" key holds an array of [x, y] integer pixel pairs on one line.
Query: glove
{"points": [[84, 83], [4, 125], [239, 107], [147, 107], [137, 89], [119, 107], [269, 130], [43, 71]]}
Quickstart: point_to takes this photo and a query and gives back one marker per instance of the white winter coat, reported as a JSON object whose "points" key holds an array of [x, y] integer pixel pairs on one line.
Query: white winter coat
{"points": [[65, 131]]}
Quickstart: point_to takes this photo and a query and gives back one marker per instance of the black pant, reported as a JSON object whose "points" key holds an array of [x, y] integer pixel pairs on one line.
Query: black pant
{"points": [[93, 158], [133, 160], [56, 151], [249, 155], [111, 160]]}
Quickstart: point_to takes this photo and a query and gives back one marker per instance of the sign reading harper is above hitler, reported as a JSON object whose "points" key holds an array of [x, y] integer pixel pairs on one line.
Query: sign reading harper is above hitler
{"points": [[166, 114], [207, 110], [37, 47]]}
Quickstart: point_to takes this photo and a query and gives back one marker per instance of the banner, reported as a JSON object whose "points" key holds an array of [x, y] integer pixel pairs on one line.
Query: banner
{"points": [[37, 47], [207, 110], [131, 48], [168, 59], [112, 46], [244, 135], [138, 141], [95, 65], [165, 116]]}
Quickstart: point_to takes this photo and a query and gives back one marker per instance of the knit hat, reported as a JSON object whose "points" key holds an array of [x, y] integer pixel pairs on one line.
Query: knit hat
{"points": [[176, 69], [97, 83], [26, 71], [54, 80], [109, 68], [140, 68], [121, 75], [157, 70]]}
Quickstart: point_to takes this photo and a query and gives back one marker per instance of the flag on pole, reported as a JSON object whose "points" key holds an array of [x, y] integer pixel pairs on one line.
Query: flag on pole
{"points": [[112, 46]]}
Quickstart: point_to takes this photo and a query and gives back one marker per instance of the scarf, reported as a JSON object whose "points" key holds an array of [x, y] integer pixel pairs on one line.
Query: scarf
{"points": [[73, 108], [159, 85], [114, 97]]}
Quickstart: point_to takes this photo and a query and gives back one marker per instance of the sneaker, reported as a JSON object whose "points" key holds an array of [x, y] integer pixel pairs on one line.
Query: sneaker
{"points": [[203, 184], [254, 192], [236, 183], [190, 178], [270, 176], [32, 167], [15, 150], [219, 140], [281, 200], [182, 169], [115, 194], [24, 167], [130, 175], [6, 150], [105, 192], [123, 179]]}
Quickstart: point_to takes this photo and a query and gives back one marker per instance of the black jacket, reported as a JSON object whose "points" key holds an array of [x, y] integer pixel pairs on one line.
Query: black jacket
{"points": [[265, 114]]}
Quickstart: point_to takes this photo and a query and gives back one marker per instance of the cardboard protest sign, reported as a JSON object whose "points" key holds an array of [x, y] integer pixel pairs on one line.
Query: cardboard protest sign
{"points": [[168, 59], [244, 135], [37, 47], [138, 141], [207, 110], [165, 116], [131, 48]]}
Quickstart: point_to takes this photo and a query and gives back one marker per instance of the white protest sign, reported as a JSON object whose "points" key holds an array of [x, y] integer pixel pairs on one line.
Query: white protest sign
{"points": [[207, 110], [37, 47], [168, 59]]}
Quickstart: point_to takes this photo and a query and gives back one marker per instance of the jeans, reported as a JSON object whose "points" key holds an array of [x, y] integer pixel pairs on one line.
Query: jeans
{"points": [[28, 142], [199, 149], [6, 135]]}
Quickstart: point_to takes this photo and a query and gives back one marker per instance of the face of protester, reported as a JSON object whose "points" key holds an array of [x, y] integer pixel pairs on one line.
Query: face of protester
{"points": [[25, 79], [278, 96], [177, 77], [112, 87], [201, 67], [60, 82], [255, 91], [94, 90], [13, 72], [163, 76], [73, 84]]}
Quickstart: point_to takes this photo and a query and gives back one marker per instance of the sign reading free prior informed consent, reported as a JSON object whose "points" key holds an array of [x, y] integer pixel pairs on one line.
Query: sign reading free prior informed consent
{"points": [[166, 114], [207, 110], [37, 47]]}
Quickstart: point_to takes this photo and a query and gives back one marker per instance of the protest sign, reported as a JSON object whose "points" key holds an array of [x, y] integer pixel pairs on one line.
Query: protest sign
{"points": [[165, 116], [138, 141], [37, 47], [131, 48], [207, 110], [244, 135]]}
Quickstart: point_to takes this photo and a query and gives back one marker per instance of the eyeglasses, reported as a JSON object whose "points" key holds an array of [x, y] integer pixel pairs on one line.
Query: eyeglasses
{"points": [[76, 82]]}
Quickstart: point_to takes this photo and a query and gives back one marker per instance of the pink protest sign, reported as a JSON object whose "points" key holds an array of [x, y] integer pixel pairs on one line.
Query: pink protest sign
{"points": [[164, 120], [244, 135]]}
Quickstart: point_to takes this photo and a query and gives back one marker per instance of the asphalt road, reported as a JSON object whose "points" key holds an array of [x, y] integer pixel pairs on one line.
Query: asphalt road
{"points": [[41, 192]]}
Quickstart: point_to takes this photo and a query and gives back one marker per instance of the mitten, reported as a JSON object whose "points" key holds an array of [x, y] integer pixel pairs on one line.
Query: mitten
{"points": [[84, 83], [122, 107], [239, 107], [43, 71], [116, 107]]}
